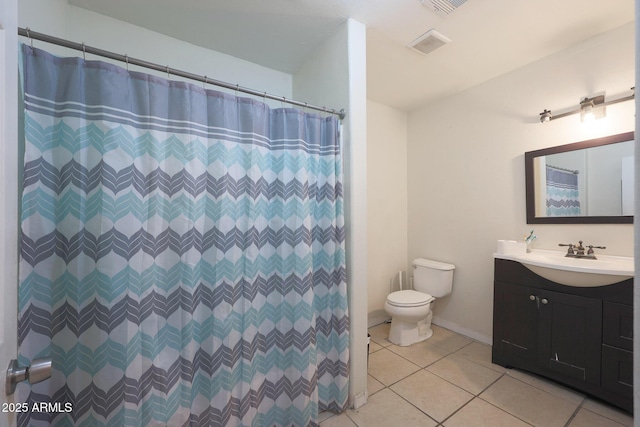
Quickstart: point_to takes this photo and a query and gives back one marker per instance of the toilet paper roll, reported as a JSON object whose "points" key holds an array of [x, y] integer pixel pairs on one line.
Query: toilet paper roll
{"points": [[502, 245]]}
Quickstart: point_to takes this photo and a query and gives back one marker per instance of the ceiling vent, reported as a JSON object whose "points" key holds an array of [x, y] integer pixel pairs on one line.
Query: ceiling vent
{"points": [[443, 7], [428, 42]]}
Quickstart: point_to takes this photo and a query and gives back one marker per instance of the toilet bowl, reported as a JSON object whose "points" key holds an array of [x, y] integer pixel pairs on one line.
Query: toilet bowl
{"points": [[410, 310], [411, 315]]}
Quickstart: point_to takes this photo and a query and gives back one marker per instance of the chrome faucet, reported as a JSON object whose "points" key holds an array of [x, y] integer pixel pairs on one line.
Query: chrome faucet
{"points": [[578, 251]]}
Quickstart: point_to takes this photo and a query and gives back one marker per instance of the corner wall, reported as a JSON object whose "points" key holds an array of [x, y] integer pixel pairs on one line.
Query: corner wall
{"points": [[386, 203], [335, 76], [466, 167]]}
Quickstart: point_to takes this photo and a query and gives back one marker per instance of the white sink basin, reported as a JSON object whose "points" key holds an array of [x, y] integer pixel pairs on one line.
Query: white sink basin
{"points": [[554, 266]]}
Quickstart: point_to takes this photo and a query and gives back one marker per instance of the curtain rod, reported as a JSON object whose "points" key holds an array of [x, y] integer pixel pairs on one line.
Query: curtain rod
{"points": [[575, 172], [32, 35]]}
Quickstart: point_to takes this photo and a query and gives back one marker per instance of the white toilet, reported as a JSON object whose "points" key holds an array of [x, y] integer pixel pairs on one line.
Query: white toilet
{"points": [[410, 310]]}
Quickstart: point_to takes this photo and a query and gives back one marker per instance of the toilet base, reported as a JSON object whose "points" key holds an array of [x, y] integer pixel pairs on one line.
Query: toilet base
{"points": [[404, 333]]}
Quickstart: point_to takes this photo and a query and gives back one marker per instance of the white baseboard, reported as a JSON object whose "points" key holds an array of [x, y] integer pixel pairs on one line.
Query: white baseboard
{"points": [[377, 317], [487, 339]]}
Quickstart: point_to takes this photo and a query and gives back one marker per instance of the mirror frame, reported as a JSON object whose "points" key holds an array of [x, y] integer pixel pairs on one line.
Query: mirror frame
{"points": [[529, 183]]}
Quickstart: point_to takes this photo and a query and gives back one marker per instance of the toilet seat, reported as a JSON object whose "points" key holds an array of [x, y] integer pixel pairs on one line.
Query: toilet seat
{"points": [[409, 298]]}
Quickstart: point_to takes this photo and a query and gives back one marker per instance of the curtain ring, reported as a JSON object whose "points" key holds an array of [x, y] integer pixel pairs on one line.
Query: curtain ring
{"points": [[29, 36], [126, 59], [204, 83], [284, 100], [168, 74], [84, 52], [237, 88]]}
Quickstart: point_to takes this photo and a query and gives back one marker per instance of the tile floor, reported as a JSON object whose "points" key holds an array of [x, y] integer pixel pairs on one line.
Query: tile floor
{"points": [[449, 380]]}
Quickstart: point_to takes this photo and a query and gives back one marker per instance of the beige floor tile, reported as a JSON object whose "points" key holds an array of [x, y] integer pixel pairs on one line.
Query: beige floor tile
{"points": [[529, 403], [547, 385], [585, 418], [340, 420], [388, 368], [479, 413], [422, 353], [373, 385], [610, 412], [325, 415], [450, 360], [385, 409], [481, 354], [380, 334], [431, 394], [464, 373], [447, 340], [374, 346]]}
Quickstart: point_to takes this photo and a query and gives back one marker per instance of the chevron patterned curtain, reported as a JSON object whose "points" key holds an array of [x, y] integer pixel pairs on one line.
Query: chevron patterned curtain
{"points": [[563, 196], [182, 253]]}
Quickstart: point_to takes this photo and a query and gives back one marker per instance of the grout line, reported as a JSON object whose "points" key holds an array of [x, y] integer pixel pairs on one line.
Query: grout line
{"points": [[478, 396], [351, 419], [458, 410], [609, 406], [395, 382], [575, 413], [543, 380], [498, 407], [475, 396], [402, 397]]}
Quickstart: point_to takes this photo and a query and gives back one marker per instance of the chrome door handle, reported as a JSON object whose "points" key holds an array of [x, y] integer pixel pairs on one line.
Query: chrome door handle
{"points": [[39, 370]]}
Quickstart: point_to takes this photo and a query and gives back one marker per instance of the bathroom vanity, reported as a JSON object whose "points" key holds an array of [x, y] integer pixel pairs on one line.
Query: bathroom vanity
{"points": [[580, 335]]}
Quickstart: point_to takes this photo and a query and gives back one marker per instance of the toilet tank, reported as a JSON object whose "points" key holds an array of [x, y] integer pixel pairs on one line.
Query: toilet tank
{"points": [[432, 277]]}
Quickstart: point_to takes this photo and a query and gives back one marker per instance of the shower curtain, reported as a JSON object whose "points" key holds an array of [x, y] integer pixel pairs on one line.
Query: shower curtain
{"points": [[182, 253], [563, 197]]}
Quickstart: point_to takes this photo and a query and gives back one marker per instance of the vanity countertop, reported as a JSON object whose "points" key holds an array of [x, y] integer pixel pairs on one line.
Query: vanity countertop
{"points": [[553, 265]]}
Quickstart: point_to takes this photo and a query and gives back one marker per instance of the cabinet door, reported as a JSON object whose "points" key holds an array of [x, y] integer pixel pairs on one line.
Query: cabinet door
{"points": [[515, 326], [570, 335], [617, 370], [617, 321]]}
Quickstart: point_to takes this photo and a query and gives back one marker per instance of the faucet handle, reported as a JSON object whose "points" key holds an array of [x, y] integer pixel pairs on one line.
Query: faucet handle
{"points": [[570, 251], [591, 247]]}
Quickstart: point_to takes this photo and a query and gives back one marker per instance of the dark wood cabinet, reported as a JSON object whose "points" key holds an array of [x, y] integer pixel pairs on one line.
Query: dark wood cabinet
{"points": [[579, 336], [569, 337], [515, 325]]}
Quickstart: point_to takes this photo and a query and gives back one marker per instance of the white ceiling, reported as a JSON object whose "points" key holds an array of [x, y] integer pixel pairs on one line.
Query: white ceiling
{"points": [[489, 37]]}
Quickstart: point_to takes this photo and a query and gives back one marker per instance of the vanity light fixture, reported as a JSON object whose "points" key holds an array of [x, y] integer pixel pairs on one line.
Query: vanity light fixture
{"points": [[545, 116], [590, 108]]}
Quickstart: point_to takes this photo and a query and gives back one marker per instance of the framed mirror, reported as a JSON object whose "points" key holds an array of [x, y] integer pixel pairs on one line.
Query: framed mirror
{"points": [[587, 182]]}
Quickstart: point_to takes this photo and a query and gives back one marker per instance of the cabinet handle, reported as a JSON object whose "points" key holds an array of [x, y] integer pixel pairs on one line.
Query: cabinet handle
{"points": [[532, 297], [544, 301]]}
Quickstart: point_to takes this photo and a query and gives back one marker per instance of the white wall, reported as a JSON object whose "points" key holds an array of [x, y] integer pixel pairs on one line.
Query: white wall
{"points": [[335, 76], [56, 18], [387, 203], [466, 166], [604, 187]]}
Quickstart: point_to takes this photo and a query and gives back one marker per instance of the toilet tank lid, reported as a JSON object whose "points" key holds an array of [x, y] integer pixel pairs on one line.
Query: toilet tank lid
{"points": [[433, 264]]}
